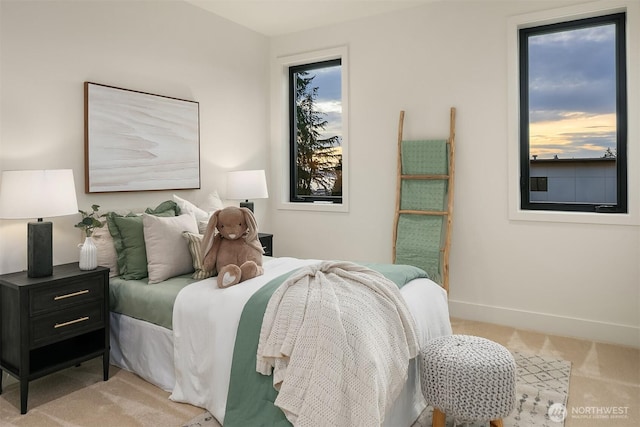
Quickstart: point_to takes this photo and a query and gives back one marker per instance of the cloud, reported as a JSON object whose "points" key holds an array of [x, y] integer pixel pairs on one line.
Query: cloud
{"points": [[573, 71], [572, 92], [330, 106]]}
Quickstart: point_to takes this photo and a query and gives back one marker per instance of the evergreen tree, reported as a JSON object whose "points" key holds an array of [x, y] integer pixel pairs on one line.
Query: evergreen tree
{"points": [[316, 157], [609, 154]]}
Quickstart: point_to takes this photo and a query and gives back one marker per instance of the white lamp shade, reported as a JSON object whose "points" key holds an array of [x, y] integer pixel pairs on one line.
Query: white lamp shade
{"points": [[245, 185], [37, 194]]}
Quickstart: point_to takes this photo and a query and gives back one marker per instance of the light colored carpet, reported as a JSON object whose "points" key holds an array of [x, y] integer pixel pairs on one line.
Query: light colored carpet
{"points": [[542, 381], [78, 397], [603, 376]]}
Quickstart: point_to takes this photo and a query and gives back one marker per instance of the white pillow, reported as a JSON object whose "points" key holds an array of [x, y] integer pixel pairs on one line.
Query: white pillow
{"points": [[188, 207], [195, 242], [167, 251], [201, 215], [107, 256], [213, 202]]}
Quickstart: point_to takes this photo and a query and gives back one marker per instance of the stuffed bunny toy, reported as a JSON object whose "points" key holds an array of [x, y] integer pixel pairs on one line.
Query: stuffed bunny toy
{"points": [[235, 251]]}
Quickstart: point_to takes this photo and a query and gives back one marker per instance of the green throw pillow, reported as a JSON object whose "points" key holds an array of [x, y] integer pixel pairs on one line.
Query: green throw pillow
{"points": [[128, 239]]}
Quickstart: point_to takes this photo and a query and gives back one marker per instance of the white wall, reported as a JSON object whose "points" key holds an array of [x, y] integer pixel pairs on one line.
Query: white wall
{"points": [[48, 49], [572, 279]]}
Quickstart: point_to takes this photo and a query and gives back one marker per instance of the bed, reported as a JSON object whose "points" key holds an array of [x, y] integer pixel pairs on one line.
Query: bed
{"points": [[143, 339]]}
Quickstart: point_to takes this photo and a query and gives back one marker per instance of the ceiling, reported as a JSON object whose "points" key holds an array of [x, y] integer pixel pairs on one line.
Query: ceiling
{"points": [[277, 17]]}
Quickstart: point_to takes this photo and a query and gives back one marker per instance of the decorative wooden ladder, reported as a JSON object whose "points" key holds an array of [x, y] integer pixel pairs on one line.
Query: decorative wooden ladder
{"points": [[424, 203]]}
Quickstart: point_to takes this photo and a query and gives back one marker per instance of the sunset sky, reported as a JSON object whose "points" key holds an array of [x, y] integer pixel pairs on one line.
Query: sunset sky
{"points": [[572, 87]]}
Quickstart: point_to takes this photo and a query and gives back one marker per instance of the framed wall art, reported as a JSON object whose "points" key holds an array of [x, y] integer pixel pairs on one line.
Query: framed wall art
{"points": [[136, 141]]}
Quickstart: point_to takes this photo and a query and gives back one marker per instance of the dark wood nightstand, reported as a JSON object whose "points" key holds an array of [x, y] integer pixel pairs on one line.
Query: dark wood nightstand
{"points": [[51, 323], [267, 243]]}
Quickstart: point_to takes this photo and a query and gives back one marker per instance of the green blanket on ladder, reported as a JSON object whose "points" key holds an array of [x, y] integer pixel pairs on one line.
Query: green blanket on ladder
{"points": [[251, 395]]}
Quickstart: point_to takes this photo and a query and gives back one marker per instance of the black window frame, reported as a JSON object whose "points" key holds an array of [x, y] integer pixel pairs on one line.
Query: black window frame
{"points": [[621, 206], [293, 196]]}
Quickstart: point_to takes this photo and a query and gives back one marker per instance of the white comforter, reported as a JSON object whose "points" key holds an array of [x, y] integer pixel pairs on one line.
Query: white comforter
{"points": [[205, 320]]}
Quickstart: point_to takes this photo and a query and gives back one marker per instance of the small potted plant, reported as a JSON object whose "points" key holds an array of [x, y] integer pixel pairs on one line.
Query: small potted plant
{"points": [[90, 220], [88, 251]]}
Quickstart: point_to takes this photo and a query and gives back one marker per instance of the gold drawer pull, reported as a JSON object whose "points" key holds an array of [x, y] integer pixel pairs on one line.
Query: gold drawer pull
{"points": [[73, 294], [70, 322]]}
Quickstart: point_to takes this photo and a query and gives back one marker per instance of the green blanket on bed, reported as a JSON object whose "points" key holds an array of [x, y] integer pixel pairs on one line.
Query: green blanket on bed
{"points": [[151, 303], [251, 395]]}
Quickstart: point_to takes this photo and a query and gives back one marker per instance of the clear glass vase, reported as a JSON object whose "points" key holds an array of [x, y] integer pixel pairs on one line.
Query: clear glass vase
{"points": [[88, 254]]}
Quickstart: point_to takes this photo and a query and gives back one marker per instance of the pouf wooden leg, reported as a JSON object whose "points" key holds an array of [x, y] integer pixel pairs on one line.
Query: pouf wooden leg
{"points": [[438, 418]]}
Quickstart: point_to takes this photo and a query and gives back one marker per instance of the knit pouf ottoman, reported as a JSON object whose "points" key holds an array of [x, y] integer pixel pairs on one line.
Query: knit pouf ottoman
{"points": [[468, 378]]}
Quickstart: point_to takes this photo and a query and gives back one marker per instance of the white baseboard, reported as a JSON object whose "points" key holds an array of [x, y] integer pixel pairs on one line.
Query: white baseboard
{"points": [[548, 323]]}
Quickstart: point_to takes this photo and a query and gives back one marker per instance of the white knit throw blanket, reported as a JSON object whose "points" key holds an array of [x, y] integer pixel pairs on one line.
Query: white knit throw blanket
{"points": [[338, 337]]}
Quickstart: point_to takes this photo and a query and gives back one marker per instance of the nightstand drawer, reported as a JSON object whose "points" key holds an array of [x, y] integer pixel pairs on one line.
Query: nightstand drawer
{"points": [[80, 291], [65, 324]]}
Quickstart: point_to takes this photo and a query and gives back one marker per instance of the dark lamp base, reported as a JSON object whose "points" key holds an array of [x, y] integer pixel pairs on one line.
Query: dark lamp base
{"points": [[247, 204], [39, 249]]}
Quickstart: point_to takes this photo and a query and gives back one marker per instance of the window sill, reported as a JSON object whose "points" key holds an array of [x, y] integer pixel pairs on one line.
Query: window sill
{"points": [[574, 217], [314, 207]]}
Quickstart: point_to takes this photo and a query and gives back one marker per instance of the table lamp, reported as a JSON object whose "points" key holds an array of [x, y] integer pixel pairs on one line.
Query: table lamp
{"points": [[38, 194], [245, 185]]}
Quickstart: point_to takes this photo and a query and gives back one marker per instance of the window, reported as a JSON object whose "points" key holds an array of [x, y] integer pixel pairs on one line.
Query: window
{"points": [[573, 116], [315, 132]]}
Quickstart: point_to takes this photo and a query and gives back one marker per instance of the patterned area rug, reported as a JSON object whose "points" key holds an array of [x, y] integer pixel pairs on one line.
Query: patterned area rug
{"points": [[541, 395], [542, 383]]}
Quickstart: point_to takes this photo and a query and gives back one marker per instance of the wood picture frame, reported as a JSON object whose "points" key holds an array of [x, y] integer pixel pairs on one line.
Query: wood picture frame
{"points": [[137, 141]]}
